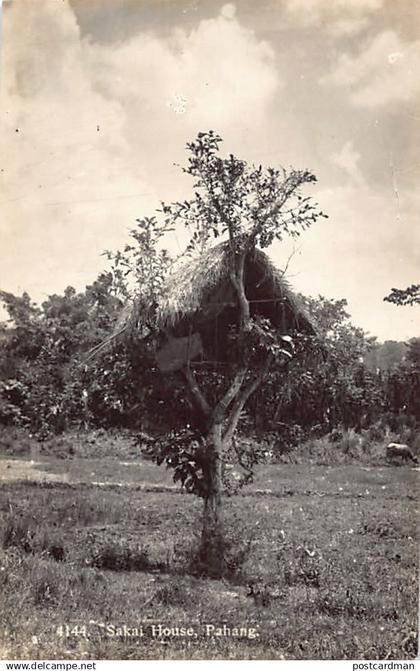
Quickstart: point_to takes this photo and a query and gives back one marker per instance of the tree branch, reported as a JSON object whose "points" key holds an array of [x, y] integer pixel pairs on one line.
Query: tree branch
{"points": [[239, 455], [238, 406], [222, 406], [237, 277], [196, 392], [289, 186]]}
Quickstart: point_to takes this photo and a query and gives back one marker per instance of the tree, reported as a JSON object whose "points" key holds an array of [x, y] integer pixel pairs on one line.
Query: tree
{"points": [[409, 296], [403, 382], [344, 383], [328, 385], [41, 376], [248, 207]]}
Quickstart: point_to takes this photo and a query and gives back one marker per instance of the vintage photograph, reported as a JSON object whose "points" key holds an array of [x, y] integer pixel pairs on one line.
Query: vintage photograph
{"points": [[209, 330]]}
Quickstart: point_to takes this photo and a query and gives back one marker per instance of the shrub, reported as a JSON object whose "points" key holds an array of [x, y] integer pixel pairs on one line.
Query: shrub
{"points": [[113, 556], [46, 585], [175, 593], [19, 532], [25, 533]]}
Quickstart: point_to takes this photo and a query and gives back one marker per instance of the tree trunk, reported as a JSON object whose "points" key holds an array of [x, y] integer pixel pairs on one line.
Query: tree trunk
{"points": [[212, 546]]}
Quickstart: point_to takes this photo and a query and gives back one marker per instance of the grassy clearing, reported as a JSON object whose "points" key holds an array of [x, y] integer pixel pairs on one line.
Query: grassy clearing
{"points": [[323, 567], [99, 443], [339, 448]]}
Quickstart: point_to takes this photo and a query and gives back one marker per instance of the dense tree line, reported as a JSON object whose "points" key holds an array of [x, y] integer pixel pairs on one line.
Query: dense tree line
{"points": [[48, 383], [352, 382]]}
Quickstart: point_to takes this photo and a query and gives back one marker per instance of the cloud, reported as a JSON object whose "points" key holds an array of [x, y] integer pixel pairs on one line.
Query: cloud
{"points": [[340, 17], [385, 71], [228, 11], [369, 244], [65, 160], [89, 132], [214, 76], [348, 160], [349, 26]]}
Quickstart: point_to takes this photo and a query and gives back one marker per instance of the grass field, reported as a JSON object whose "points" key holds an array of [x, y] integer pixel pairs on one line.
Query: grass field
{"points": [[323, 564]]}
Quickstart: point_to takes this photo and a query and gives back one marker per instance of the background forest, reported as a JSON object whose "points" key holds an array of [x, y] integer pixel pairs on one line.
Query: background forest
{"points": [[49, 384]]}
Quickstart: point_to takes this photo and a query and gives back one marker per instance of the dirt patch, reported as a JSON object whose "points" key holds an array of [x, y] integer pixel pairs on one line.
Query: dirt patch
{"points": [[24, 469]]}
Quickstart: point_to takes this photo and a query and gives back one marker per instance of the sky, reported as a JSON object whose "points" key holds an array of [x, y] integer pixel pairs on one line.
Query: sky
{"points": [[98, 99]]}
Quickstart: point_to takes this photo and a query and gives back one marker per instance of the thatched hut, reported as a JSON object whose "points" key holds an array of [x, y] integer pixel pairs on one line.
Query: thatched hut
{"points": [[198, 306]]}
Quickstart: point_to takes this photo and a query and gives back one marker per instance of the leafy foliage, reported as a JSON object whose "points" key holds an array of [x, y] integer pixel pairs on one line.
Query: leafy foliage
{"points": [[408, 296], [333, 384], [183, 451], [47, 387], [242, 201], [42, 371]]}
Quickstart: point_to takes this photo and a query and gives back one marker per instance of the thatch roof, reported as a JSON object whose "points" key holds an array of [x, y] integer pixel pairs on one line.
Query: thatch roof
{"points": [[200, 291], [198, 305]]}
